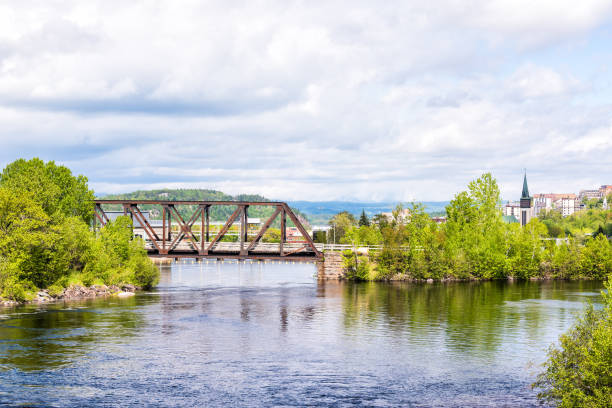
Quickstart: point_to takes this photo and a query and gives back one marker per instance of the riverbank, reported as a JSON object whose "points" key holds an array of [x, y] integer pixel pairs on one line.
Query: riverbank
{"points": [[76, 292], [364, 267]]}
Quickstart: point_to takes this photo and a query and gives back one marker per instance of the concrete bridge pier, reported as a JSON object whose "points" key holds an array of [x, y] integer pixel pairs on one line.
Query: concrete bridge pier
{"points": [[331, 267]]}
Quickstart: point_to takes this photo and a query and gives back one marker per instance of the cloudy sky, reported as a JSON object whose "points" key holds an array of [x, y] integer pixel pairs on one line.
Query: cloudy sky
{"points": [[311, 100]]}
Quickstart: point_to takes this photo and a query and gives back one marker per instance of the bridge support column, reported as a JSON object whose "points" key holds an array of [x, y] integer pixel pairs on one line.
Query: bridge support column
{"points": [[331, 267]]}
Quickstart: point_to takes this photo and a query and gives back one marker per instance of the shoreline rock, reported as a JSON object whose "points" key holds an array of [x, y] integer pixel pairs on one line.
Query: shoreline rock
{"points": [[76, 292]]}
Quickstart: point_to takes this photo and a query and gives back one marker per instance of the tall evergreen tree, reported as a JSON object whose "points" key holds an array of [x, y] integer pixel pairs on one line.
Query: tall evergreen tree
{"points": [[364, 221]]}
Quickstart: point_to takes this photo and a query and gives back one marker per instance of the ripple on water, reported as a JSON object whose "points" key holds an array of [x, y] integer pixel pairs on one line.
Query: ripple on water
{"points": [[263, 338]]}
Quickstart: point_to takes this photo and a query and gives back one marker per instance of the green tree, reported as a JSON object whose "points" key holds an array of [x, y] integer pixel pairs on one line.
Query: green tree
{"points": [[120, 259], [364, 221], [53, 187], [596, 259], [26, 237], [363, 235], [45, 240], [475, 230], [340, 225], [565, 259], [380, 220], [524, 250]]}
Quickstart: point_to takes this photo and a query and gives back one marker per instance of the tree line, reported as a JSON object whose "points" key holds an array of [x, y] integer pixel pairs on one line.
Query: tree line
{"points": [[473, 243]]}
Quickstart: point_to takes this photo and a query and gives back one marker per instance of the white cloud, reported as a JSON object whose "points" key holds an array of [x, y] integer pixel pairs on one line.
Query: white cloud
{"points": [[303, 100], [530, 81]]}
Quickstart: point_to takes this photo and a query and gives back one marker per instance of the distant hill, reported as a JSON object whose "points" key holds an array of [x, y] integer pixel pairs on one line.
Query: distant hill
{"points": [[320, 212], [184, 194], [315, 212], [217, 213]]}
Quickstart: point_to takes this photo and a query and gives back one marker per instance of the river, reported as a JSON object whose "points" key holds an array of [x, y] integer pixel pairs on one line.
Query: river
{"points": [[253, 334]]}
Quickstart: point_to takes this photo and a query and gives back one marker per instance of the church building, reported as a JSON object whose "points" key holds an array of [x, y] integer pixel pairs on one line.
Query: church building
{"points": [[526, 204]]}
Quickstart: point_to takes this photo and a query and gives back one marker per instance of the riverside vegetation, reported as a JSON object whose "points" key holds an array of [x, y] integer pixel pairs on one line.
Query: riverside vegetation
{"points": [[46, 241], [578, 372], [473, 243]]}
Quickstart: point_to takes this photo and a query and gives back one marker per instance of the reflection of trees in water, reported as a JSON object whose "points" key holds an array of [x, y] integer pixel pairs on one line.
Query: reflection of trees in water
{"points": [[474, 315], [31, 339]]}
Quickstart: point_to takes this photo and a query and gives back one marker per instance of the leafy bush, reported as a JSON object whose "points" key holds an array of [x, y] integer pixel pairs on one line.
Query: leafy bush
{"points": [[357, 266], [578, 373]]}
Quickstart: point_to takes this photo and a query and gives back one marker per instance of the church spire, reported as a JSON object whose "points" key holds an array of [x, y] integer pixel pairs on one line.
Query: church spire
{"points": [[525, 188]]}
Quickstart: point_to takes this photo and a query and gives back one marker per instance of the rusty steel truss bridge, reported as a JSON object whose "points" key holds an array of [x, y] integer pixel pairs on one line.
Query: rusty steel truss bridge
{"points": [[190, 237]]}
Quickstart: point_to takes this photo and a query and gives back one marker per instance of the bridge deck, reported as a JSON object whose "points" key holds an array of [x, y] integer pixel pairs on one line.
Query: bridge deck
{"points": [[262, 250]]}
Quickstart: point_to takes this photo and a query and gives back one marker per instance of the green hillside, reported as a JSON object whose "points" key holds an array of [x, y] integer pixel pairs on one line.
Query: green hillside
{"points": [[217, 213]]}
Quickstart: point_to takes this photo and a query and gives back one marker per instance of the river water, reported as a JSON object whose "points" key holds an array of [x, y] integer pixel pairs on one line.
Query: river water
{"points": [[253, 334]]}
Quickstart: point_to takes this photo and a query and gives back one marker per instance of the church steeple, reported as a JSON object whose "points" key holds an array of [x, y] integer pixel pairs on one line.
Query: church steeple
{"points": [[525, 188], [526, 203]]}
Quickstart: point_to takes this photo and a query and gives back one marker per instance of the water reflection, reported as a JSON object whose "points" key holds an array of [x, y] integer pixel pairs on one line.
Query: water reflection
{"points": [[479, 317], [51, 336], [254, 334]]}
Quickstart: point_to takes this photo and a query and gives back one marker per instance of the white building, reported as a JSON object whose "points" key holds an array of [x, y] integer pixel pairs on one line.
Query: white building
{"points": [[513, 209], [542, 202], [568, 206]]}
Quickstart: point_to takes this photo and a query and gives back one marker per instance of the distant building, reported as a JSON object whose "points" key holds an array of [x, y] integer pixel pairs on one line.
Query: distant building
{"points": [[542, 202], [439, 220], [320, 233], [568, 206], [550, 201], [293, 235], [590, 194], [513, 209], [526, 204], [403, 216], [251, 222], [605, 190], [112, 216]]}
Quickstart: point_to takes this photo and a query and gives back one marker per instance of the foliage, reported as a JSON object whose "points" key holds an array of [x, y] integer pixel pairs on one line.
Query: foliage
{"points": [[578, 224], [363, 235], [475, 243], [272, 235], [53, 187], [565, 259], [596, 259], [364, 221], [340, 224], [117, 258], [475, 231], [524, 251], [578, 373], [357, 266], [50, 244]]}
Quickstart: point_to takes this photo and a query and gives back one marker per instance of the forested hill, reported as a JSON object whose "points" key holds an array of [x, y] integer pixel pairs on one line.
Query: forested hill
{"points": [[184, 194], [217, 213]]}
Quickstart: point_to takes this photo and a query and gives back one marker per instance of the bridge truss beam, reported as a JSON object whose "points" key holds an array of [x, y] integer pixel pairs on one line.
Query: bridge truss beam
{"points": [[183, 240]]}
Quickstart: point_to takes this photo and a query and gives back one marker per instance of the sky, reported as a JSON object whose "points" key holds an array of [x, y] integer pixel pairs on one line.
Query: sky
{"points": [[311, 100]]}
